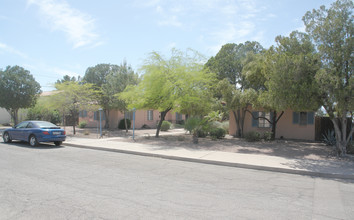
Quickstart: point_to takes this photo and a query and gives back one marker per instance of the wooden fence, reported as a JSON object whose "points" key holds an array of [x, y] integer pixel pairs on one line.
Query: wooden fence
{"points": [[324, 124]]}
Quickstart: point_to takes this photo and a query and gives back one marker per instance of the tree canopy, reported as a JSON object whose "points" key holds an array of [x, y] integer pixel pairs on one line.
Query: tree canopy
{"points": [[228, 64], [283, 77], [18, 89], [72, 97], [179, 83], [332, 31], [109, 80]]}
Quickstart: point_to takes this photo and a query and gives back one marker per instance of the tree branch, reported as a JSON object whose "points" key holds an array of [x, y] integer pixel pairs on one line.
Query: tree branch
{"points": [[256, 118]]}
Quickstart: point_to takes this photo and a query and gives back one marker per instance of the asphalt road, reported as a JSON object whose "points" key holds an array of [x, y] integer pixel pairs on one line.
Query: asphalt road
{"points": [[51, 182]]}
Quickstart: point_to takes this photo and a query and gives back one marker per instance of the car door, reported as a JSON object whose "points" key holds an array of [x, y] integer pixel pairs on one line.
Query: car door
{"points": [[27, 131], [17, 132]]}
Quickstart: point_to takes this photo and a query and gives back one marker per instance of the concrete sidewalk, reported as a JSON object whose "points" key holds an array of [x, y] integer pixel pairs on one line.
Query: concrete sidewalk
{"points": [[319, 168]]}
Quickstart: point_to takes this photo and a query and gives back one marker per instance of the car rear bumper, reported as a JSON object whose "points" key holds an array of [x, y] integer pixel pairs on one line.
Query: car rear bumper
{"points": [[51, 138]]}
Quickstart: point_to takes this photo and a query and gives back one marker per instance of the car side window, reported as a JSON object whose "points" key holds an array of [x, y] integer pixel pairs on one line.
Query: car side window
{"points": [[30, 125], [22, 125]]}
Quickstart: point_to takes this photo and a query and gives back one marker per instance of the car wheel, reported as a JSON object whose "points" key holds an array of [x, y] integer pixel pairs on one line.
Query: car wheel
{"points": [[6, 138], [57, 143], [33, 141]]}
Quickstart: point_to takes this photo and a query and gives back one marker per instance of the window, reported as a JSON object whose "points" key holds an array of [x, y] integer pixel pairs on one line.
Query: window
{"points": [[30, 125], [303, 118], [178, 117], [261, 122], [22, 125], [150, 115], [83, 114], [96, 116], [128, 115]]}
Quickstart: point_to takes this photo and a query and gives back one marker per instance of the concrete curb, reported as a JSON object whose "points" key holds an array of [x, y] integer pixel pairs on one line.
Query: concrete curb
{"points": [[220, 163]]}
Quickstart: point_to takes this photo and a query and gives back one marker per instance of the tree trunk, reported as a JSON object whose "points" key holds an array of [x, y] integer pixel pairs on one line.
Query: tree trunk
{"points": [[274, 125], [126, 124], [341, 134], [344, 133], [243, 120], [338, 136], [106, 114], [238, 132], [14, 115], [163, 114]]}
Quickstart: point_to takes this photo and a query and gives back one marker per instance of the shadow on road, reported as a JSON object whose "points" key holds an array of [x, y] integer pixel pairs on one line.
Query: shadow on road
{"points": [[43, 146]]}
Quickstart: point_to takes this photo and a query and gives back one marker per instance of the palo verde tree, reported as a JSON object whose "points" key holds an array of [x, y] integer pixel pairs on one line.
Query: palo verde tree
{"points": [[18, 89], [72, 97], [179, 83], [228, 65], [284, 77], [332, 31]]}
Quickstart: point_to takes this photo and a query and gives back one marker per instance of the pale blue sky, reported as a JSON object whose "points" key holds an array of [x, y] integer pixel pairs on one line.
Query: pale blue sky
{"points": [[53, 38]]}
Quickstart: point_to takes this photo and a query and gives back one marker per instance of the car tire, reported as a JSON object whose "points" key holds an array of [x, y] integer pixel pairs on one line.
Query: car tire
{"points": [[33, 141], [7, 138], [58, 143]]}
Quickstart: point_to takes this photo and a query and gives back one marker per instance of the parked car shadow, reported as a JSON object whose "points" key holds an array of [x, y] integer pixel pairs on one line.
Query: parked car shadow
{"points": [[43, 146]]}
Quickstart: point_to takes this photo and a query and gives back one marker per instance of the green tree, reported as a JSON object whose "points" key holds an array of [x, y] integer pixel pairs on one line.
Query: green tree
{"points": [[228, 64], [116, 82], [97, 76], [67, 78], [41, 111], [332, 31], [284, 77], [179, 83], [72, 97], [18, 89]]}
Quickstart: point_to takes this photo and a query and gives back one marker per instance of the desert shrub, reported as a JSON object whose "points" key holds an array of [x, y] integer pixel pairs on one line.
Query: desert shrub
{"points": [[201, 132], [225, 126], [165, 126], [82, 124], [217, 133], [177, 126], [145, 126], [215, 124], [329, 138], [252, 136], [267, 136], [121, 124], [180, 122], [41, 113], [350, 148], [191, 124]]}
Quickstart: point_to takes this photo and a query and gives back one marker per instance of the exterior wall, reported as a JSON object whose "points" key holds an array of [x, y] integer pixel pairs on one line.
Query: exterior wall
{"points": [[288, 130], [141, 119], [5, 117], [90, 120], [285, 127]]}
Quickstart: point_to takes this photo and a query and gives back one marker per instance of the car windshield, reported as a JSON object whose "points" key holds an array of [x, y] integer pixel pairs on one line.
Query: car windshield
{"points": [[45, 124]]}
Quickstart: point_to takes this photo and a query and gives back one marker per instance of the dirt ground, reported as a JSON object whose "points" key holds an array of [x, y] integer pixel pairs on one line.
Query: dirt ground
{"points": [[179, 138]]}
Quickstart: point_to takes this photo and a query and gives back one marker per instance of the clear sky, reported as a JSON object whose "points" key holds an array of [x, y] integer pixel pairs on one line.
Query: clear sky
{"points": [[53, 38]]}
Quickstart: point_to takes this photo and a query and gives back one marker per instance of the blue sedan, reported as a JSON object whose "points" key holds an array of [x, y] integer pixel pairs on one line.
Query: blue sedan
{"points": [[35, 132]]}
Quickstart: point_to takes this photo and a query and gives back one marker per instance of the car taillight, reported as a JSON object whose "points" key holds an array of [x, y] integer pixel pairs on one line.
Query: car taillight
{"points": [[64, 133], [46, 132]]}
